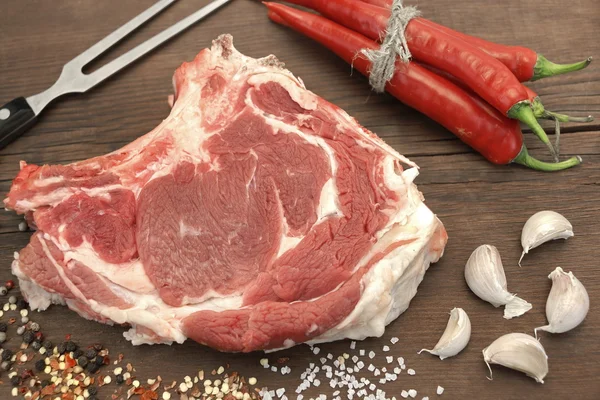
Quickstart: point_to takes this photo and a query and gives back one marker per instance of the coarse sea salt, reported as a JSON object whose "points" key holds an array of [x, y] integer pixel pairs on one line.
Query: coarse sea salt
{"points": [[361, 352], [386, 348], [394, 340], [439, 390], [412, 393], [411, 371], [371, 354], [404, 394]]}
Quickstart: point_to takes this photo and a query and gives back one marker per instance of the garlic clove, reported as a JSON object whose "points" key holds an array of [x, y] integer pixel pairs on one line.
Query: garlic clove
{"points": [[520, 352], [455, 337], [485, 277], [542, 227], [567, 304]]}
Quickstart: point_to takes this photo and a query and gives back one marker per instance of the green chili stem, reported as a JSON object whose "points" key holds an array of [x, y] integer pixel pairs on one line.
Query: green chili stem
{"points": [[564, 118], [525, 159], [540, 112], [544, 68], [524, 113]]}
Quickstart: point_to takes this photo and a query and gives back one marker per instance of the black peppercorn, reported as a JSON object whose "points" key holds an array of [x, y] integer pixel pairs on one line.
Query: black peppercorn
{"points": [[62, 347], [15, 380], [99, 360], [45, 383], [90, 353], [120, 379], [3, 327], [82, 361], [36, 345], [77, 353], [71, 346], [22, 303], [92, 390], [7, 355], [28, 337], [92, 368], [48, 345], [40, 365]]}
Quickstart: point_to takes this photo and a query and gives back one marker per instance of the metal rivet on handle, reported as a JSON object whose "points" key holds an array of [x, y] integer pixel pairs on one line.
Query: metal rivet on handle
{"points": [[4, 113]]}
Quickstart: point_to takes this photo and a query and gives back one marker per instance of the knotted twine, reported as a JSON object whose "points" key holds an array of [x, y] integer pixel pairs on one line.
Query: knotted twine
{"points": [[394, 45]]}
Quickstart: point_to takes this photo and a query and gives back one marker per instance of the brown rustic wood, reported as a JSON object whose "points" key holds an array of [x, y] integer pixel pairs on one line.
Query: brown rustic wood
{"points": [[478, 202]]}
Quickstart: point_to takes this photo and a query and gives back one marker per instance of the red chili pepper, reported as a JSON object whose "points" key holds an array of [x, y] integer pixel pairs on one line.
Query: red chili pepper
{"points": [[475, 122], [379, 3], [538, 108], [524, 63], [485, 75]]}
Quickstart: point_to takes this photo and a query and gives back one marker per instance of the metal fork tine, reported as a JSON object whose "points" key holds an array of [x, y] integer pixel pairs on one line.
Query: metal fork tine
{"points": [[84, 58], [125, 59]]}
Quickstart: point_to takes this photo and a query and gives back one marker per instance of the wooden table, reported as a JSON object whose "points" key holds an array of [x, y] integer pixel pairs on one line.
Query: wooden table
{"points": [[478, 202]]}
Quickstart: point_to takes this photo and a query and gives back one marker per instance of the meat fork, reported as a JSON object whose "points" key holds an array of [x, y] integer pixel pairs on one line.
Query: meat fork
{"points": [[21, 113]]}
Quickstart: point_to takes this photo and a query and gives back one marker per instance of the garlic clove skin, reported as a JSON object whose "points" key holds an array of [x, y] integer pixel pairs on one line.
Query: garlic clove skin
{"points": [[485, 277], [520, 352], [542, 227], [568, 303], [455, 337]]}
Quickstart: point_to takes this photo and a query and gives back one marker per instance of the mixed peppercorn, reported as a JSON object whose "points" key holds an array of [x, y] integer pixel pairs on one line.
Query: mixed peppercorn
{"points": [[39, 369]]}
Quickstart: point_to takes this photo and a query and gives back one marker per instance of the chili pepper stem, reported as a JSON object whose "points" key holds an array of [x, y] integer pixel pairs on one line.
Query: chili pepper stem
{"points": [[557, 135], [524, 113], [544, 68], [525, 159], [541, 113], [564, 118]]}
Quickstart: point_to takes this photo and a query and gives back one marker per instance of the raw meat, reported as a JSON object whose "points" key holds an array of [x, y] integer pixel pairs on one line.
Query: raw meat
{"points": [[255, 216]]}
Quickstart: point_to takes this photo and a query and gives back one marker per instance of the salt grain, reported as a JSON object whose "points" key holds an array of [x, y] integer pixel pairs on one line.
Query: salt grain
{"points": [[411, 371], [389, 359], [353, 345], [440, 390], [412, 393], [361, 352], [386, 348], [404, 394], [394, 340], [316, 350], [371, 354], [274, 368]]}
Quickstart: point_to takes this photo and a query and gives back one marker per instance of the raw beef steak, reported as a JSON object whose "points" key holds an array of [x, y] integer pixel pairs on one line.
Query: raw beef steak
{"points": [[255, 216]]}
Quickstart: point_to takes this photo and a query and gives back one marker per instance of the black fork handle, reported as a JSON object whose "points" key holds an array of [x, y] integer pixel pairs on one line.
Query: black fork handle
{"points": [[15, 118]]}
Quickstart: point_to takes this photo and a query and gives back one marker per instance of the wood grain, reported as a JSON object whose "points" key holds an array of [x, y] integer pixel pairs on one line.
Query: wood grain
{"points": [[478, 202]]}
